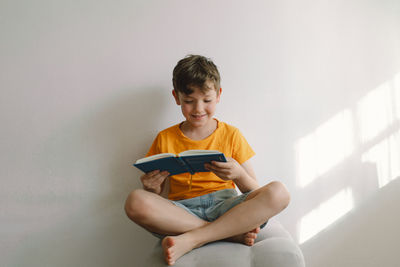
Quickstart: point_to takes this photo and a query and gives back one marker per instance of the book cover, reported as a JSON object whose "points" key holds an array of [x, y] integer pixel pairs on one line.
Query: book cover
{"points": [[191, 161]]}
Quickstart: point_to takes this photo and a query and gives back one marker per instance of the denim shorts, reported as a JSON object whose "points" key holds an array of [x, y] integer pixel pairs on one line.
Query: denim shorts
{"points": [[211, 206]]}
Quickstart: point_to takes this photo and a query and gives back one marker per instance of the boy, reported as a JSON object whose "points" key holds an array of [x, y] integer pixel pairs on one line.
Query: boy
{"points": [[209, 209]]}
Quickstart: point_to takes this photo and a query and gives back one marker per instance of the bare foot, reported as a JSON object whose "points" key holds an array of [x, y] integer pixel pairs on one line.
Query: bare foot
{"points": [[175, 247], [246, 238]]}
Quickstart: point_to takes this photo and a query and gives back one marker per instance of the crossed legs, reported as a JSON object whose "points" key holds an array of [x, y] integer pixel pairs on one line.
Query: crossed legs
{"points": [[186, 232], [158, 215]]}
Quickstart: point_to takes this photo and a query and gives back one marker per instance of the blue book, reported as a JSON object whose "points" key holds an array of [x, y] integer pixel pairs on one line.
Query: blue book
{"points": [[190, 161]]}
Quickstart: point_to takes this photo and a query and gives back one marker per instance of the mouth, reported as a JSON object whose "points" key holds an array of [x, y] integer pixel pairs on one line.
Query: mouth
{"points": [[198, 117]]}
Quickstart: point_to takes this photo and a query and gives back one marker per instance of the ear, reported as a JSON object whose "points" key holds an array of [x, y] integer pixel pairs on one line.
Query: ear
{"points": [[176, 96], [219, 94]]}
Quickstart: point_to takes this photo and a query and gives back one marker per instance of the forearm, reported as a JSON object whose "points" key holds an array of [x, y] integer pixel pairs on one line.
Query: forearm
{"points": [[241, 174], [246, 182]]}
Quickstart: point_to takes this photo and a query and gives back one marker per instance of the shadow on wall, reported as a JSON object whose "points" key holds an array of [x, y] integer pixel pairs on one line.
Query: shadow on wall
{"points": [[79, 216], [347, 175], [367, 236], [349, 156]]}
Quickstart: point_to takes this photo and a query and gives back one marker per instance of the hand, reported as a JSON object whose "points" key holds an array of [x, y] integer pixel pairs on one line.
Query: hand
{"points": [[230, 170], [153, 181]]}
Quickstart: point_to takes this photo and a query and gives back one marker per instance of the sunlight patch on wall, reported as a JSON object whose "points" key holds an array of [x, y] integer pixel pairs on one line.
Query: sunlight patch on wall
{"points": [[396, 94], [386, 156], [370, 128], [376, 111], [324, 148], [325, 214]]}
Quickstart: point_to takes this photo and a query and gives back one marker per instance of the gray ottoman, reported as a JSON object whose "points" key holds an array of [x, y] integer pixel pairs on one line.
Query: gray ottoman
{"points": [[274, 247]]}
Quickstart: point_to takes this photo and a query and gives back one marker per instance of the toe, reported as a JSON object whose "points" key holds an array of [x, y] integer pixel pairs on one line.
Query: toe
{"points": [[249, 241], [251, 235]]}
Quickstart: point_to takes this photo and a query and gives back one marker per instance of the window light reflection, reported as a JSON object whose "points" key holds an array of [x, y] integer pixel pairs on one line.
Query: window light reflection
{"points": [[396, 94], [375, 112], [324, 148], [386, 157], [325, 214]]}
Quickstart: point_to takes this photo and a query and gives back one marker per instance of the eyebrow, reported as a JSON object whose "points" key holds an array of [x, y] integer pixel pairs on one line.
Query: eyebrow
{"points": [[205, 95]]}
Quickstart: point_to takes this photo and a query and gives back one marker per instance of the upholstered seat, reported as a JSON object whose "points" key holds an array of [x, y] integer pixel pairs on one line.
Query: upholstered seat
{"points": [[274, 247]]}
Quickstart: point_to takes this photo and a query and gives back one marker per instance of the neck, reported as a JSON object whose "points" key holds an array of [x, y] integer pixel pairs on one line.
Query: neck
{"points": [[198, 133]]}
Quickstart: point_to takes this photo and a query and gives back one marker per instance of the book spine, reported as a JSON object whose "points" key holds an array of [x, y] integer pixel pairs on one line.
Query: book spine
{"points": [[185, 165]]}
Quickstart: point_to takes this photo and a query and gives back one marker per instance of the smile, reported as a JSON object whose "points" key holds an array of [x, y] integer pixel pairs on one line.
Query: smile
{"points": [[198, 116]]}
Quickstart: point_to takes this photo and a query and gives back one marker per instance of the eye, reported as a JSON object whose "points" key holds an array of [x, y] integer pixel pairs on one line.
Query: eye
{"points": [[188, 101], [207, 100]]}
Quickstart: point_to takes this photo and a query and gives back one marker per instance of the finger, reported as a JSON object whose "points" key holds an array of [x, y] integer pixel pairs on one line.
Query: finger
{"points": [[212, 168], [208, 166], [164, 174], [221, 165], [158, 176], [155, 180], [158, 173], [221, 172], [152, 173]]}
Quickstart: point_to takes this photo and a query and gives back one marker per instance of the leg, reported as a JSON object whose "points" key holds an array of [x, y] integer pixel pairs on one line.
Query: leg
{"points": [[156, 214], [259, 207]]}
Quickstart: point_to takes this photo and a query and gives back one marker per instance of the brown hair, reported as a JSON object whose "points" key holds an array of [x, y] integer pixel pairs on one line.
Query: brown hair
{"points": [[195, 70]]}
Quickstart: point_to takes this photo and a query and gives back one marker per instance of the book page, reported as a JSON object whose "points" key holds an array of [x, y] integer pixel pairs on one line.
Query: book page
{"points": [[157, 156], [198, 152]]}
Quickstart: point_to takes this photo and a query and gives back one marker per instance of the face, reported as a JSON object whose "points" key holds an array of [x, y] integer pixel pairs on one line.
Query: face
{"points": [[198, 108]]}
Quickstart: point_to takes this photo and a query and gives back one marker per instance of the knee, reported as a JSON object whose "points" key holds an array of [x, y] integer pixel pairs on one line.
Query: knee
{"points": [[136, 205], [278, 196]]}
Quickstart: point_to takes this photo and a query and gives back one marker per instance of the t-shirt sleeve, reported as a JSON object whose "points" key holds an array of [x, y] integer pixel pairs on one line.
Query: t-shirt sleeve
{"points": [[155, 147], [242, 151]]}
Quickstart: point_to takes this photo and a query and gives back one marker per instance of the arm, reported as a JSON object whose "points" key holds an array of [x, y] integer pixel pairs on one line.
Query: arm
{"points": [[242, 175], [154, 181], [250, 181]]}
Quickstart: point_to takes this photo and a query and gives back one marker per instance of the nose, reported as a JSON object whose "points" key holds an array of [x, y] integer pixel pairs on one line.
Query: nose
{"points": [[199, 106]]}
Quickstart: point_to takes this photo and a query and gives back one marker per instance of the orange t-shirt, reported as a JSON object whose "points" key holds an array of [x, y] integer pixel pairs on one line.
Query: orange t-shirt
{"points": [[225, 138]]}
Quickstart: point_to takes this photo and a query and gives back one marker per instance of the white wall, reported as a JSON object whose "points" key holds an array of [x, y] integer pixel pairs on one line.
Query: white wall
{"points": [[85, 86]]}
